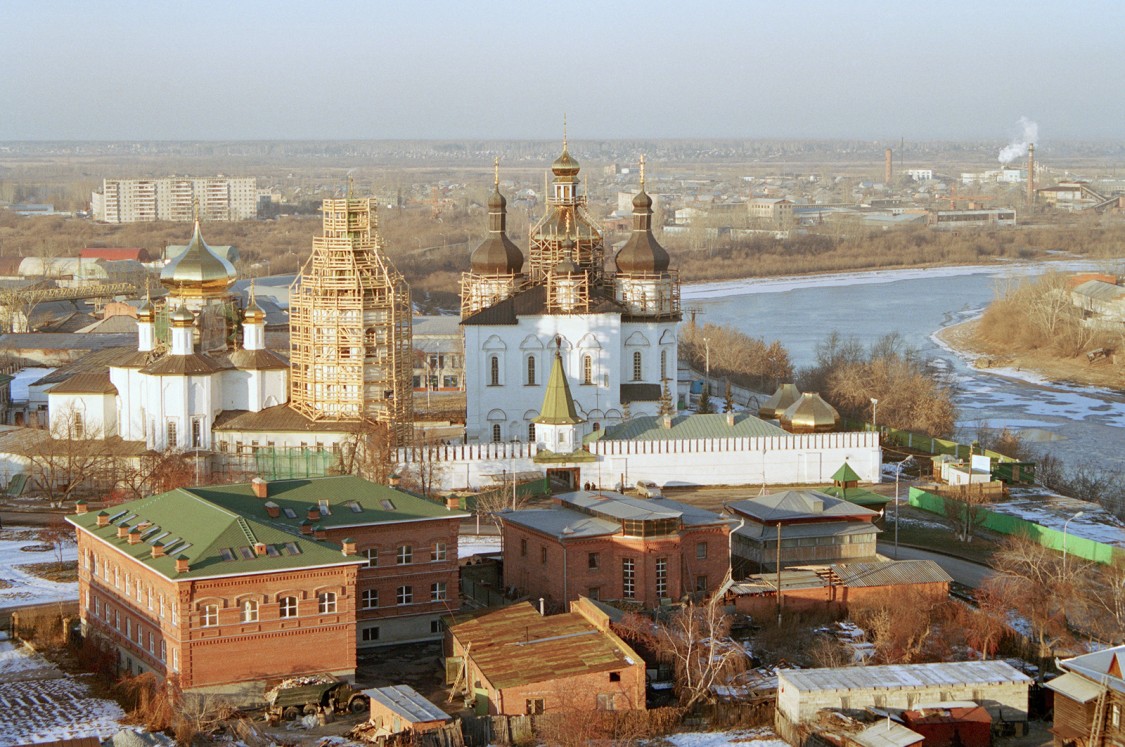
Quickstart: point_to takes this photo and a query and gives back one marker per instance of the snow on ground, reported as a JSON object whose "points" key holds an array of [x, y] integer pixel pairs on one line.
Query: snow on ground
{"points": [[21, 587], [477, 544], [40, 704], [1053, 511], [762, 737], [742, 286]]}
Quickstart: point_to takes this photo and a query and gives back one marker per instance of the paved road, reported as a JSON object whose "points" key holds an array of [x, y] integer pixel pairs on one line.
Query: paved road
{"points": [[962, 571]]}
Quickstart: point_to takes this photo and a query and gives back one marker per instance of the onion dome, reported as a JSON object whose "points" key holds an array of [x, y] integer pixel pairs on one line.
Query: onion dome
{"points": [[199, 271], [642, 253], [497, 254], [181, 317], [810, 414], [773, 407], [565, 164], [146, 313], [253, 313]]}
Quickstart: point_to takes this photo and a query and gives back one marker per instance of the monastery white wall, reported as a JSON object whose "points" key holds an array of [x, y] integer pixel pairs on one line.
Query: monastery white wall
{"points": [[777, 460], [97, 412]]}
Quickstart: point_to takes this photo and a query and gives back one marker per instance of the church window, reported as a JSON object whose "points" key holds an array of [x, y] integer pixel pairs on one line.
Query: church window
{"points": [[172, 443], [196, 432], [587, 370], [597, 426], [663, 365], [531, 432], [78, 424], [531, 370], [494, 371], [495, 433], [636, 365]]}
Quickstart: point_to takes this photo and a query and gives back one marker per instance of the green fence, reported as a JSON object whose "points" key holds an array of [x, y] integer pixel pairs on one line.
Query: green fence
{"points": [[1079, 547], [526, 489]]}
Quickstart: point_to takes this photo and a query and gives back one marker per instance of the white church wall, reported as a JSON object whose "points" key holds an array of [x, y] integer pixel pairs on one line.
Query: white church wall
{"points": [[82, 415]]}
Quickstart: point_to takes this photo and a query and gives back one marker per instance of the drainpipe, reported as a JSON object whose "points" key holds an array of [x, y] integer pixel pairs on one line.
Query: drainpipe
{"points": [[730, 547], [566, 594]]}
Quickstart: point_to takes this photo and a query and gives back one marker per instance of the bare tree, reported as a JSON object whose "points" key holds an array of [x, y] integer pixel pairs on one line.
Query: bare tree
{"points": [[71, 460], [1030, 582], [368, 451], [425, 469]]}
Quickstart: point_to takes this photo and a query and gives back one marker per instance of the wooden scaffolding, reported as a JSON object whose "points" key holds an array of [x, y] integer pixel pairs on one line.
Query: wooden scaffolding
{"points": [[350, 326]]}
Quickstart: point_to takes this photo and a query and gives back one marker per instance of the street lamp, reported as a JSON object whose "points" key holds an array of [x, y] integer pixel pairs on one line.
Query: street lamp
{"points": [[1065, 524], [898, 473], [874, 404], [706, 358]]}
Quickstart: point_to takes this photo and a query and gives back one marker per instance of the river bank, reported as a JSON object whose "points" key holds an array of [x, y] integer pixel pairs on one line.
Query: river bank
{"points": [[1034, 366]]}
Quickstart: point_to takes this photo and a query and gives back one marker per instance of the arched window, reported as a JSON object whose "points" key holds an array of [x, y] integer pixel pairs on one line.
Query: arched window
{"points": [[531, 370], [495, 433], [587, 369], [210, 616], [249, 611], [288, 606], [326, 602], [663, 365], [597, 426], [531, 433], [494, 371], [636, 365]]}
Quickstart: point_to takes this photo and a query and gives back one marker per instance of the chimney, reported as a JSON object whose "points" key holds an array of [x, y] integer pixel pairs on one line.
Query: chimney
{"points": [[320, 532], [182, 564], [260, 487], [314, 513], [348, 546], [394, 480], [158, 549], [306, 527], [542, 607], [730, 418], [272, 509], [80, 507], [259, 548], [452, 502], [134, 536], [666, 422], [887, 167], [1030, 175], [103, 519], [122, 531]]}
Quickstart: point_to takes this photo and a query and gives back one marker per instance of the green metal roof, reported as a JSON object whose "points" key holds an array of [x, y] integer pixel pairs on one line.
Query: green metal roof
{"points": [[695, 426], [858, 496], [216, 528], [845, 474], [558, 405]]}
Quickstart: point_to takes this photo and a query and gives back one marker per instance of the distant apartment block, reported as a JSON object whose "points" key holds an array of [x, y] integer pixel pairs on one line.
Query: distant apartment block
{"points": [[957, 219], [220, 198]]}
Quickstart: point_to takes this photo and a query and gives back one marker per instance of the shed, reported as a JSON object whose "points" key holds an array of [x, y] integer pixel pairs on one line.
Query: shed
{"points": [[400, 708], [942, 725]]}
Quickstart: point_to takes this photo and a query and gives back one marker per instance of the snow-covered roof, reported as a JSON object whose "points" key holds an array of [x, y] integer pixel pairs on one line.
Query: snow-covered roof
{"points": [[894, 676]]}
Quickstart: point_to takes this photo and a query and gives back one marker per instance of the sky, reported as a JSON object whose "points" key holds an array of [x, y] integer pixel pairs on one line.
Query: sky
{"points": [[492, 69]]}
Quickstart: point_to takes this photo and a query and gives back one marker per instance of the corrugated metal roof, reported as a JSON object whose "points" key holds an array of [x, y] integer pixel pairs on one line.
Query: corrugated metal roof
{"points": [[887, 733], [561, 522], [621, 506], [1076, 687], [890, 573], [516, 646], [1100, 290], [811, 529], [407, 702], [794, 505], [894, 676], [693, 426]]}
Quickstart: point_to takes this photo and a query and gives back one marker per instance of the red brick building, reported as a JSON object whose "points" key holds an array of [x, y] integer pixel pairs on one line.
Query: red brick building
{"points": [[605, 545], [229, 587], [515, 661]]}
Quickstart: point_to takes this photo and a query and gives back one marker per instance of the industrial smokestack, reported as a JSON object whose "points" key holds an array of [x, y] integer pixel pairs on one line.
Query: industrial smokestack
{"points": [[887, 168], [1030, 175]]}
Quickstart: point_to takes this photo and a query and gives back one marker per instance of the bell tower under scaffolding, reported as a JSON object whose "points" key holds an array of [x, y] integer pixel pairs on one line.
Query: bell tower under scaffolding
{"points": [[350, 326]]}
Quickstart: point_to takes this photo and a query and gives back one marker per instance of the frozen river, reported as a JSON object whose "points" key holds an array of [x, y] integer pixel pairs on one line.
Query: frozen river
{"points": [[1080, 423]]}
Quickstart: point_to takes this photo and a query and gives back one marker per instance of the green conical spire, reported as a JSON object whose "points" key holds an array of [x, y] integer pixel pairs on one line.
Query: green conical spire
{"points": [[845, 474], [558, 405]]}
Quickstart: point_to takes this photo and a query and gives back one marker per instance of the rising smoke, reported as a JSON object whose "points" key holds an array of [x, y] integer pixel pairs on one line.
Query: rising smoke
{"points": [[1018, 147]]}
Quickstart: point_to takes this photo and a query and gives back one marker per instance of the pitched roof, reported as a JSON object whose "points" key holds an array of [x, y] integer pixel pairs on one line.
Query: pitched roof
{"points": [[891, 676], [407, 703], [794, 505], [690, 426], [97, 361], [256, 360], [280, 418], [180, 365], [586, 513], [216, 527], [85, 383], [533, 302], [845, 474], [516, 645], [890, 573], [558, 405]]}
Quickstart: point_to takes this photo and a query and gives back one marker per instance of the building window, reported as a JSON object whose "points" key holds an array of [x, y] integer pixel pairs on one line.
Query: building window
{"points": [[372, 555], [405, 555], [163, 650], [151, 643], [78, 425], [701, 550], [661, 578], [404, 595], [543, 555], [172, 443], [437, 591], [196, 433], [249, 611], [369, 634], [628, 578], [494, 371], [531, 370], [523, 547], [587, 370], [437, 626], [1115, 716], [663, 365], [495, 433], [605, 701], [531, 433], [701, 583], [288, 606], [175, 660], [370, 599], [636, 365], [533, 706], [440, 552], [326, 601], [594, 592], [129, 628], [593, 560], [210, 615]]}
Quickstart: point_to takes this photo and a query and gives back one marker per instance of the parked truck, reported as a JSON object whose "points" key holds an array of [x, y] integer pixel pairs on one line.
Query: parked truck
{"points": [[334, 697]]}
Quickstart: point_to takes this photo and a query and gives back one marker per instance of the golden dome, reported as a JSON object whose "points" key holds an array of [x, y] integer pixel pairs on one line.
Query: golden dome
{"points": [[146, 313], [810, 414], [181, 317], [565, 164], [773, 407], [198, 272]]}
